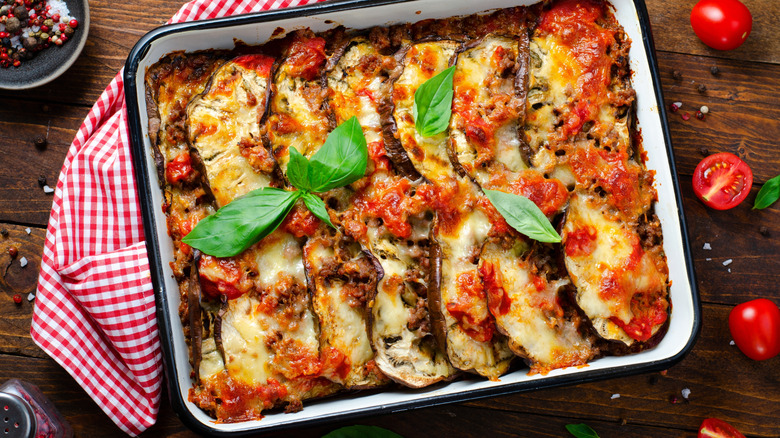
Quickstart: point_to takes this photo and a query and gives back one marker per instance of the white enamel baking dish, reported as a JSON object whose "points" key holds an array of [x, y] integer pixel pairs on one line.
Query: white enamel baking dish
{"points": [[356, 14]]}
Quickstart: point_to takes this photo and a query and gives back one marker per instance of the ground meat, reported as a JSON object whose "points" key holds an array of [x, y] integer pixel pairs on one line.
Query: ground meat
{"points": [[418, 318]]}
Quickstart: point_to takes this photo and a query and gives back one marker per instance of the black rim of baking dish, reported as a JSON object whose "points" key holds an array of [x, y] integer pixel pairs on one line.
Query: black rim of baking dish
{"points": [[145, 185]]}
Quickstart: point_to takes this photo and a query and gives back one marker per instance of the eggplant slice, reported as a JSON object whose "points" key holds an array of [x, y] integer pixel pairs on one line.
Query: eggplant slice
{"points": [[298, 112], [622, 285], [390, 223], [489, 107], [224, 124], [341, 278], [525, 294], [459, 307]]}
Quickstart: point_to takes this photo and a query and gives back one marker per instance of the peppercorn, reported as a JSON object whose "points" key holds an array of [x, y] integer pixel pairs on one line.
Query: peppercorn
{"points": [[699, 115], [677, 75], [73, 23], [30, 43], [4, 10], [704, 151], [68, 31], [714, 70], [40, 141], [17, 299], [702, 88], [764, 231], [13, 252], [48, 23], [20, 12], [42, 180], [4, 232], [44, 36], [13, 25]]}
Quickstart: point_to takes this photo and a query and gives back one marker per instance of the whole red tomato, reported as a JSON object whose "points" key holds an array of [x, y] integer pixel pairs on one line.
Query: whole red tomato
{"points": [[755, 326], [721, 24], [715, 428]]}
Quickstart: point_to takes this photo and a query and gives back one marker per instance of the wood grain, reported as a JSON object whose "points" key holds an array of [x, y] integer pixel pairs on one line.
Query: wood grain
{"points": [[744, 103], [672, 31]]}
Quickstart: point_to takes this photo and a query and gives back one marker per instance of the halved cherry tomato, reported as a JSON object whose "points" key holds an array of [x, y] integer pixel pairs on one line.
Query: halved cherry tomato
{"points": [[755, 327], [715, 428], [722, 180], [721, 24]]}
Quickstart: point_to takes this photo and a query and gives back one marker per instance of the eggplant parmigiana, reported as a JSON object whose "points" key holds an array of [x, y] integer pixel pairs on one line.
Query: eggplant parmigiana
{"points": [[421, 279]]}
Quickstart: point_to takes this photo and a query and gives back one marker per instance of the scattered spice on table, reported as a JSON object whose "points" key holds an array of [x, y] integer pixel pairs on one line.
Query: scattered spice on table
{"points": [[699, 115], [714, 70], [18, 299], [685, 116], [764, 231], [13, 251], [29, 26], [677, 75], [704, 151], [702, 88], [40, 141], [23, 262]]}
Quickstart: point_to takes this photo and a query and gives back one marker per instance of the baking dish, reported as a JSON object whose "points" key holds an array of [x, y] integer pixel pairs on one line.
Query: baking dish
{"points": [[356, 14]]}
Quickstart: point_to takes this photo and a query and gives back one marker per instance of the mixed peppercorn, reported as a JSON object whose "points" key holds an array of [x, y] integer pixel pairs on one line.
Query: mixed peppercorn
{"points": [[37, 27]]}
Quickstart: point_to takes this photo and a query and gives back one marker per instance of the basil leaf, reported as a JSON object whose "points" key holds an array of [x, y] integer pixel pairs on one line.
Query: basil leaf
{"points": [[769, 193], [317, 207], [243, 222], [360, 431], [341, 160], [433, 104], [581, 430], [523, 215], [298, 170]]}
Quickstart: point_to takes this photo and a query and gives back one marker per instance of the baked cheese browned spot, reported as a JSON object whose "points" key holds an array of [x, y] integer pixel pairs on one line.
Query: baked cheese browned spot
{"points": [[461, 317]]}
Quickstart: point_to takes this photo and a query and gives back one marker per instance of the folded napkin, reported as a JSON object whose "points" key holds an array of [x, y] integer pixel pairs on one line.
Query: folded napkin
{"points": [[95, 311]]}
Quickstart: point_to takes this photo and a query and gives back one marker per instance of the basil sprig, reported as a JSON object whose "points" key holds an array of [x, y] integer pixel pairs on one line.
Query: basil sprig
{"points": [[246, 220], [769, 193], [523, 215], [433, 104], [581, 430]]}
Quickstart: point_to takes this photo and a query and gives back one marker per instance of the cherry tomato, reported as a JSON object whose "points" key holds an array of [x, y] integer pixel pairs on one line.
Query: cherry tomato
{"points": [[721, 24], [722, 180], [755, 327], [714, 428]]}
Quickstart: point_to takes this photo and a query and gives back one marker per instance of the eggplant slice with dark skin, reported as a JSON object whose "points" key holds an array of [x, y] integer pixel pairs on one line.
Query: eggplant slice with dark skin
{"points": [[459, 308], [341, 277], [393, 235]]}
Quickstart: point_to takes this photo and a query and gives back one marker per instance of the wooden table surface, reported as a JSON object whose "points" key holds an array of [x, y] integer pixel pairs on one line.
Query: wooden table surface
{"points": [[744, 102]]}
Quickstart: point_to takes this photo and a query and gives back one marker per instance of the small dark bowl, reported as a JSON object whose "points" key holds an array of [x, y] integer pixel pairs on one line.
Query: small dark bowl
{"points": [[50, 63]]}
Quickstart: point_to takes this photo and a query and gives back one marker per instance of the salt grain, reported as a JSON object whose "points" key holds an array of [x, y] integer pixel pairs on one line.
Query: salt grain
{"points": [[707, 246], [709, 259], [30, 296], [685, 393], [47, 189], [23, 261], [732, 343], [27, 230], [678, 104], [729, 270], [727, 262], [614, 396]]}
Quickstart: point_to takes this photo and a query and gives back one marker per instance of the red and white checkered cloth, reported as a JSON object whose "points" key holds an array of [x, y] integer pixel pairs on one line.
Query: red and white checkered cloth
{"points": [[95, 309]]}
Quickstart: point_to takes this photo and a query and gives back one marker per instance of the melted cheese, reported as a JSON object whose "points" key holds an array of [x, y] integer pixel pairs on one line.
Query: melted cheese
{"points": [[534, 321], [616, 269], [487, 104], [219, 120]]}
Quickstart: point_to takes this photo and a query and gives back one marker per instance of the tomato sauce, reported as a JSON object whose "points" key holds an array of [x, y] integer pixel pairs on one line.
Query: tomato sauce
{"points": [[179, 169], [335, 363], [305, 57], [229, 273], [390, 201], [301, 222], [260, 63], [469, 307], [235, 401], [574, 22], [581, 242], [550, 195], [498, 300], [649, 311]]}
